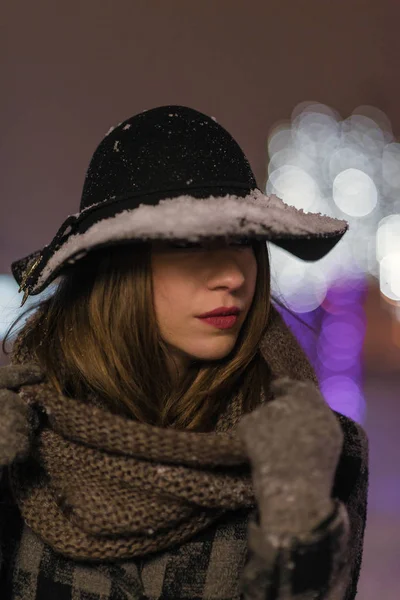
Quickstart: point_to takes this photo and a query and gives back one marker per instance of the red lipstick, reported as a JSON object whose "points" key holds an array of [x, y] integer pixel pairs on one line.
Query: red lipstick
{"points": [[222, 311], [222, 317]]}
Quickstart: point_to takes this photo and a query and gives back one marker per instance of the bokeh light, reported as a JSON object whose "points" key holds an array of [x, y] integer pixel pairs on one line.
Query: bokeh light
{"points": [[355, 193], [304, 290], [388, 236], [295, 185], [390, 165], [344, 395], [350, 169], [390, 276]]}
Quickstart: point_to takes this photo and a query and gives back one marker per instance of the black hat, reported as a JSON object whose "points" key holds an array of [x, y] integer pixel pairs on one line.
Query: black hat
{"points": [[173, 173]]}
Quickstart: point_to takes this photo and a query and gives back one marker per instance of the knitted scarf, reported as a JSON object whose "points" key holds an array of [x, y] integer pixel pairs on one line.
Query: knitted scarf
{"points": [[99, 486]]}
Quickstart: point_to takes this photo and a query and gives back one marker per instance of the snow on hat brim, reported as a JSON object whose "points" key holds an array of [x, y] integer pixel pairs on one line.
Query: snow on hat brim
{"points": [[309, 236]]}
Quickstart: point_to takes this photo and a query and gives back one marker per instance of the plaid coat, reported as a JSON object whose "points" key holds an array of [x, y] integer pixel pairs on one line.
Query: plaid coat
{"points": [[219, 563]]}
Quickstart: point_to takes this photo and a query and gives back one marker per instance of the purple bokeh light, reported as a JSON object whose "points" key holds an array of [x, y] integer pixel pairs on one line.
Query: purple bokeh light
{"points": [[336, 350]]}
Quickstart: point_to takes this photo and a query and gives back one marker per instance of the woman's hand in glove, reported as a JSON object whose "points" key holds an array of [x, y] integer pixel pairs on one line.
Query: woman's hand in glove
{"points": [[14, 413], [294, 444]]}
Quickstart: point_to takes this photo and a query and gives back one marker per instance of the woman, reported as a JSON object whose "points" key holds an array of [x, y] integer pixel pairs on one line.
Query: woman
{"points": [[150, 451]]}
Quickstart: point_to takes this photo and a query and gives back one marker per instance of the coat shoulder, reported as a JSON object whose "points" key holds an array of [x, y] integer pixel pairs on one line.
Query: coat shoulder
{"points": [[352, 469], [351, 487], [355, 440]]}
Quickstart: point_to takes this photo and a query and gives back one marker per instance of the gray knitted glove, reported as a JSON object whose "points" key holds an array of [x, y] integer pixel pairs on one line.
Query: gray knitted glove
{"points": [[15, 416], [294, 444]]}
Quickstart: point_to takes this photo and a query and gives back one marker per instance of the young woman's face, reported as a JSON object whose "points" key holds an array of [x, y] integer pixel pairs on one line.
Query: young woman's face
{"points": [[188, 282]]}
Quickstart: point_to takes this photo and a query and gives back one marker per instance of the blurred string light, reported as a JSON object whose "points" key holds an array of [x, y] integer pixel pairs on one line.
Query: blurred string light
{"points": [[349, 169]]}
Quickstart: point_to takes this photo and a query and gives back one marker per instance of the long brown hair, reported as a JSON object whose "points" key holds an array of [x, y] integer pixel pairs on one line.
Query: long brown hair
{"points": [[97, 334]]}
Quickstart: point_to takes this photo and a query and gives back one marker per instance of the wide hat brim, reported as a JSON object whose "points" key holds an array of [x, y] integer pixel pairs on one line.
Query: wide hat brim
{"points": [[308, 236]]}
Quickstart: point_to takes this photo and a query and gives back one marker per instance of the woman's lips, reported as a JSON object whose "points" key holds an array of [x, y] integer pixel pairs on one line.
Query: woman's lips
{"points": [[221, 322]]}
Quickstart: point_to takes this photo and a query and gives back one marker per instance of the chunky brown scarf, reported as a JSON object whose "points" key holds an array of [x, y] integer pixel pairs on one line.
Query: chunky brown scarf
{"points": [[99, 486]]}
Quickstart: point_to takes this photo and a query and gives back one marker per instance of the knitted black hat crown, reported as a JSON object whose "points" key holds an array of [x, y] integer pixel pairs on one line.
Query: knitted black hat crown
{"points": [[168, 149]]}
